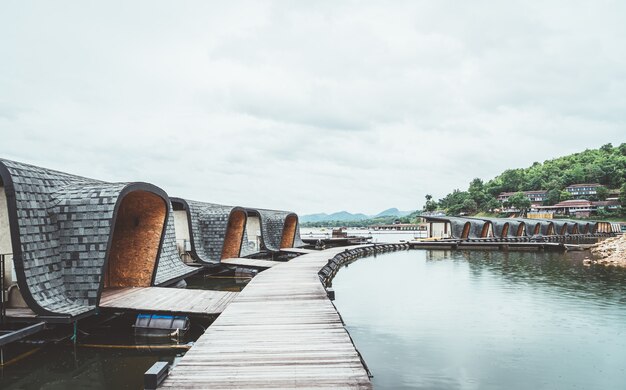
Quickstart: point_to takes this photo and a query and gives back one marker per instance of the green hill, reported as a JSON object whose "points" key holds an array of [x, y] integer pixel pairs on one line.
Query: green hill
{"points": [[606, 165]]}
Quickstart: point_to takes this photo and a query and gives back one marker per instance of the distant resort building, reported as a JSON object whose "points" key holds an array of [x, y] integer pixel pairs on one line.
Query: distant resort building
{"points": [[581, 208], [579, 191], [533, 196]]}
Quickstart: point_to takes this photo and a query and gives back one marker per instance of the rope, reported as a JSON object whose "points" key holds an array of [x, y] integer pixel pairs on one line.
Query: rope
{"points": [[20, 357]]}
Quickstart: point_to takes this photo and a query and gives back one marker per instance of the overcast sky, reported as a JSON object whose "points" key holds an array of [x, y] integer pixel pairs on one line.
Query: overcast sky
{"points": [[308, 106]]}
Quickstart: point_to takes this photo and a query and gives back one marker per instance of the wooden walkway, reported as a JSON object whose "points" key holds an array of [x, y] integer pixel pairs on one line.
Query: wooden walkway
{"points": [[300, 251], [167, 300], [254, 263], [280, 332]]}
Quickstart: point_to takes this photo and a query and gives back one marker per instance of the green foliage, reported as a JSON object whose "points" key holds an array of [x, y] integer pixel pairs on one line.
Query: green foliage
{"points": [[622, 196], [606, 165], [602, 192], [520, 201], [564, 195], [554, 197], [430, 204]]}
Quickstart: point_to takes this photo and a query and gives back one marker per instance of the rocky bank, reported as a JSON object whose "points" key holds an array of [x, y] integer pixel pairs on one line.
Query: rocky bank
{"points": [[611, 251]]}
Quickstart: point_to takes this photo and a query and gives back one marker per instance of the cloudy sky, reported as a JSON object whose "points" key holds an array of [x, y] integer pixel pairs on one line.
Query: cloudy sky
{"points": [[308, 106]]}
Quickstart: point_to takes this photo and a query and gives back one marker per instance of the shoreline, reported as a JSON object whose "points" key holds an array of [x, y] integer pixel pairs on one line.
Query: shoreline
{"points": [[609, 252]]}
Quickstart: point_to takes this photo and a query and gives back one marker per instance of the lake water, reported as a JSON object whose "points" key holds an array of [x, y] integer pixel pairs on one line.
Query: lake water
{"points": [[486, 320], [435, 320], [107, 356]]}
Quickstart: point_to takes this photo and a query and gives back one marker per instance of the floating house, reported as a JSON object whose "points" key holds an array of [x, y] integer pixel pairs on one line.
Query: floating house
{"points": [[210, 232], [463, 228], [459, 227], [66, 238], [506, 228], [279, 229]]}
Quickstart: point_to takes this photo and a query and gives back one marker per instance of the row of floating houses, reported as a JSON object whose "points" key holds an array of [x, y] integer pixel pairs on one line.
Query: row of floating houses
{"points": [[65, 238], [465, 228]]}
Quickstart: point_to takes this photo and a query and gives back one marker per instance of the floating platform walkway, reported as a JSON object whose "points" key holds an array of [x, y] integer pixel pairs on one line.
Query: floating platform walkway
{"points": [[281, 331], [498, 245], [251, 263], [176, 301], [299, 251]]}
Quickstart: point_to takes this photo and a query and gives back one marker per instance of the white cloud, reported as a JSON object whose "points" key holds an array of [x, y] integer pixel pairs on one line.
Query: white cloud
{"points": [[308, 106]]}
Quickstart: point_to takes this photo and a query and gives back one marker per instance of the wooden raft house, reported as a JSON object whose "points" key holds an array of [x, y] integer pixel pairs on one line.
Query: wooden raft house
{"points": [[208, 234], [68, 239]]}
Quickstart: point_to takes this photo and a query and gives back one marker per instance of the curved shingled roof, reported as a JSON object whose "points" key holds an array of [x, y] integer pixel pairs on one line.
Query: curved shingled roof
{"points": [[544, 226], [61, 233], [508, 227], [458, 226], [208, 224], [272, 228]]}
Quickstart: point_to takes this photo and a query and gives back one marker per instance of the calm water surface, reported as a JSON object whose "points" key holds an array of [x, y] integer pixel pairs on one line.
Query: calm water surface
{"points": [[486, 320], [63, 366]]}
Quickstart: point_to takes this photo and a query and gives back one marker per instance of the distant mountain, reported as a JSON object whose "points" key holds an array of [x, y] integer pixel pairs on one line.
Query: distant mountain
{"points": [[346, 216], [393, 212]]}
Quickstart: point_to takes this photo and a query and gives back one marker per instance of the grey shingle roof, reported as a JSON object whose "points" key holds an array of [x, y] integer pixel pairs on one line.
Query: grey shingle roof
{"points": [[61, 228], [208, 223], [272, 225]]}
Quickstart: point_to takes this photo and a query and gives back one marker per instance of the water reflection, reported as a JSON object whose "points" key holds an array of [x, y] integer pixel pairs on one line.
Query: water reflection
{"points": [[109, 355], [488, 320]]}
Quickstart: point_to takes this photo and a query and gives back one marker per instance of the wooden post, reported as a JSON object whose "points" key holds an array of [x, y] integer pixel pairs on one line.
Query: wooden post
{"points": [[155, 375]]}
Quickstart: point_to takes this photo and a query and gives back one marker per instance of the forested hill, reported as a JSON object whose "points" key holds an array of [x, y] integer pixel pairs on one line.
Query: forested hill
{"points": [[606, 166]]}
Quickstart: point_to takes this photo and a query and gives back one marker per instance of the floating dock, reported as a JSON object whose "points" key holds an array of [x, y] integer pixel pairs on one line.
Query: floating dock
{"points": [[253, 263], [281, 331], [299, 251], [167, 300], [490, 245]]}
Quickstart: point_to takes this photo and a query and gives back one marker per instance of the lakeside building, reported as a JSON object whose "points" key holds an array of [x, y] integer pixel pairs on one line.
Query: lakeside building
{"points": [[533, 196], [578, 207], [66, 238], [207, 233], [66, 241], [585, 190], [472, 228]]}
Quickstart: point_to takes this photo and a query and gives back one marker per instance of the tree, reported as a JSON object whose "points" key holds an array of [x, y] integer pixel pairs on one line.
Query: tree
{"points": [[602, 192], [553, 197], [469, 206], [622, 198], [607, 148], [564, 195], [430, 205], [491, 204], [520, 201]]}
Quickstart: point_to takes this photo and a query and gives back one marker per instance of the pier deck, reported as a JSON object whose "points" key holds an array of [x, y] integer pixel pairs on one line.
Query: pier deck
{"points": [[167, 300], [254, 263], [300, 251], [282, 331]]}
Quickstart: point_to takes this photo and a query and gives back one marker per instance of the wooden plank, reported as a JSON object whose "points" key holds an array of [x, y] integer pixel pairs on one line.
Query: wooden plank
{"points": [[20, 313], [281, 331], [298, 250], [255, 263], [167, 300]]}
